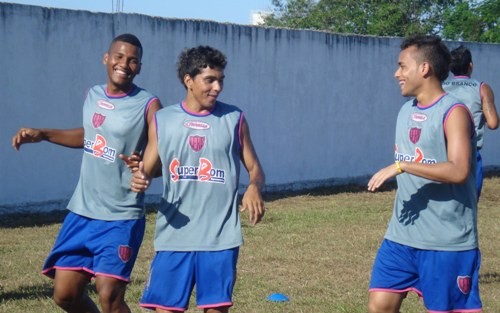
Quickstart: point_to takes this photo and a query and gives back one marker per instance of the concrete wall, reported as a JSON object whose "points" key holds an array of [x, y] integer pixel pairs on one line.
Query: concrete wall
{"points": [[321, 106]]}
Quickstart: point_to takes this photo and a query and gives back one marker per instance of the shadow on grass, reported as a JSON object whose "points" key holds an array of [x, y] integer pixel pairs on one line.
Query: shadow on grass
{"points": [[16, 220], [326, 191], [36, 292], [48, 218], [490, 172], [42, 219], [31, 219]]}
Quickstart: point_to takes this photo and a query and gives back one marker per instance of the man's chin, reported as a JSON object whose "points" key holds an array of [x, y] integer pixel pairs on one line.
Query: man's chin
{"points": [[210, 104]]}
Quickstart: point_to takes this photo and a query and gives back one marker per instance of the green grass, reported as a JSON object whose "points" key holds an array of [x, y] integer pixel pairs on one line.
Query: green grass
{"points": [[317, 248]]}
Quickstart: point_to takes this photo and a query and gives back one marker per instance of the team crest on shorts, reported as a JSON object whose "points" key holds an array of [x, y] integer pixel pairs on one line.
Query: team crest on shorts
{"points": [[196, 142], [98, 119], [124, 252], [415, 134], [464, 284]]}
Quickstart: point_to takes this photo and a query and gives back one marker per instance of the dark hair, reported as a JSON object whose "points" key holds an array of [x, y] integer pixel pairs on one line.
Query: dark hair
{"points": [[461, 58], [128, 38], [432, 50], [192, 61]]}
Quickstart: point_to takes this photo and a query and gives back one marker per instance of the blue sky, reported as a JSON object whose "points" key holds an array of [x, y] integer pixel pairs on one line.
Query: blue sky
{"points": [[231, 11]]}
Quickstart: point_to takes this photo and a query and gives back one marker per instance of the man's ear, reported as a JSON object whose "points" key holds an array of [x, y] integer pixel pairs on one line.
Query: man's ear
{"points": [[425, 69], [188, 81], [105, 58]]}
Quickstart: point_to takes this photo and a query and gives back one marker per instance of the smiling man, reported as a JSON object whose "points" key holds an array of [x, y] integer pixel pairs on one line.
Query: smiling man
{"points": [[431, 244], [200, 142], [101, 235]]}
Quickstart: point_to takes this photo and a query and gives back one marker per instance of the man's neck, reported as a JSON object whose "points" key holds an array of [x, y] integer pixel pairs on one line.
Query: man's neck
{"points": [[195, 107], [114, 90], [430, 94]]}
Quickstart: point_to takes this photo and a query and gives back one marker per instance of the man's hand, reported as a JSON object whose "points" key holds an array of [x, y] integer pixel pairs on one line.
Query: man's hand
{"points": [[253, 202], [132, 161], [26, 135], [382, 176], [139, 181]]}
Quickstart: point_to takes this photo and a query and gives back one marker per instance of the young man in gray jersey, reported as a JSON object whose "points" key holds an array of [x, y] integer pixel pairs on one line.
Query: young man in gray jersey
{"points": [[200, 142], [431, 244], [101, 235], [479, 98]]}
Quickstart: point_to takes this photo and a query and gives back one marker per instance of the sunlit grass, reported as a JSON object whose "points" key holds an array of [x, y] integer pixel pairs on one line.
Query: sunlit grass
{"points": [[316, 248]]}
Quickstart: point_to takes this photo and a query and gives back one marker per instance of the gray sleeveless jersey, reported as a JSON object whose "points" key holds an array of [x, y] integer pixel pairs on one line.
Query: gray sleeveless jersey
{"points": [[427, 214], [113, 125], [468, 90], [201, 168]]}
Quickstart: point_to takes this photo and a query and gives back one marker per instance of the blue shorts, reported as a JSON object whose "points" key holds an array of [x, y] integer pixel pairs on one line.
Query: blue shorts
{"points": [[448, 281], [173, 275], [100, 248]]}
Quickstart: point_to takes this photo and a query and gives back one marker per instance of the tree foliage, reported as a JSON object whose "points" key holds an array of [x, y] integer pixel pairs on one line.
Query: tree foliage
{"points": [[452, 19]]}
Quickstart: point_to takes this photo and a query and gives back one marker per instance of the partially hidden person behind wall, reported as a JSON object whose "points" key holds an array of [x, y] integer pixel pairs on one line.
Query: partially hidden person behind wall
{"points": [[479, 98]]}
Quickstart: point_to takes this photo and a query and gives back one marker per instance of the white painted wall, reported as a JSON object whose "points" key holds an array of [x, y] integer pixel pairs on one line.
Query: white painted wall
{"points": [[321, 106]]}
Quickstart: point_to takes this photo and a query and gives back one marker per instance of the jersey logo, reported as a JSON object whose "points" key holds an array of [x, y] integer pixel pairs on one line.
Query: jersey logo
{"points": [[414, 134], [418, 157], [204, 172], [419, 117], [464, 83], [99, 148], [98, 119], [464, 284], [196, 142], [105, 105], [196, 125], [124, 253]]}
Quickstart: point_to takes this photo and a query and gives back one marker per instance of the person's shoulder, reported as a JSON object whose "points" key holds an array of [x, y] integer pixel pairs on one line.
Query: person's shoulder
{"points": [[144, 91], [452, 99], [228, 107], [96, 90], [169, 109], [484, 84], [98, 87], [410, 102]]}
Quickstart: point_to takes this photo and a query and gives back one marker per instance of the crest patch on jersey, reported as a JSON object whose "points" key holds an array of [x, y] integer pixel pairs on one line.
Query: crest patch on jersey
{"points": [[196, 125], [197, 142], [98, 119], [106, 105], [124, 253], [414, 134], [464, 284]]}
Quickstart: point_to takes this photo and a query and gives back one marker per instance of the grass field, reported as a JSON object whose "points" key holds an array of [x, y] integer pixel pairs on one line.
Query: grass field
{"points": [[316, 248]]}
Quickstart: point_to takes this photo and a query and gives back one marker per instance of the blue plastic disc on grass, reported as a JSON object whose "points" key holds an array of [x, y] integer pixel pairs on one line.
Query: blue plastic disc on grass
{"points": [[277, 297]]}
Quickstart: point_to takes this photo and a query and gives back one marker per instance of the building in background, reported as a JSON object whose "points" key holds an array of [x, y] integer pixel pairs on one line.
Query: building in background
{"points": [[257, 17]]}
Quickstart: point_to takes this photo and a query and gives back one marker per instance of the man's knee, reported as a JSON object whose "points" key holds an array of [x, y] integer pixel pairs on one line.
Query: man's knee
{"points": [[66, 300], [384, 302], [111, 292], [68, 293]]}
